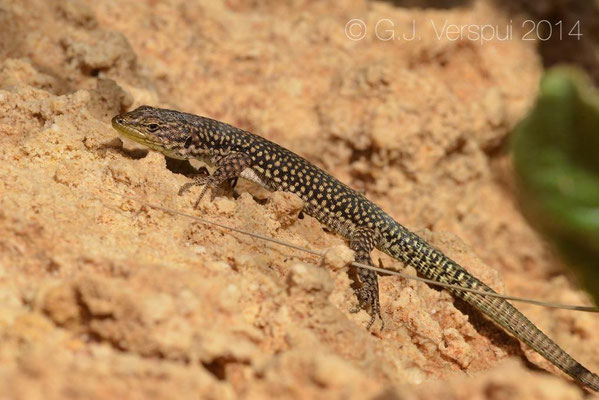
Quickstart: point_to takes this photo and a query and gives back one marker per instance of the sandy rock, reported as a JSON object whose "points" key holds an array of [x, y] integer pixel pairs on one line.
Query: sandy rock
{"points": [[104, 297]]}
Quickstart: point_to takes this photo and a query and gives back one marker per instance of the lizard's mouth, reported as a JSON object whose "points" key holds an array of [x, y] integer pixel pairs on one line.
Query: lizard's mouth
{"points": [[118, 123]]}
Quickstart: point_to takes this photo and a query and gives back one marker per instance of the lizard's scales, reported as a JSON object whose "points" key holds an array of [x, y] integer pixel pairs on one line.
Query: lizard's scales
{"points": [[336, 205]]}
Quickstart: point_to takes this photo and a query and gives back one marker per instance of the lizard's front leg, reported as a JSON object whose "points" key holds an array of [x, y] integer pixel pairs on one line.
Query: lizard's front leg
{"points": [[366, 286], [228, 169]]}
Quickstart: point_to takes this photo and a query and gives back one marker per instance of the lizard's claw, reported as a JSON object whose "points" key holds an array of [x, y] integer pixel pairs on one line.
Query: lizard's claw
{"points": [[369, 303], [205, 181]]}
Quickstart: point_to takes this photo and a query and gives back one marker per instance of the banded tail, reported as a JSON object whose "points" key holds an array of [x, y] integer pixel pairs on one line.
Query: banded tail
{"points": [[434, 265]]}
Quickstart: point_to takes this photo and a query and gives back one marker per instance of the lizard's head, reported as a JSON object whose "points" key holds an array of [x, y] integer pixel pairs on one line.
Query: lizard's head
{"points": [[162, 130]]}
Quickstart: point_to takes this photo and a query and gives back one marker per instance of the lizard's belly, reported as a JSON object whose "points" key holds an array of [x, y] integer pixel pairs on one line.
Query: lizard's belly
{"points": [[255, 177]]}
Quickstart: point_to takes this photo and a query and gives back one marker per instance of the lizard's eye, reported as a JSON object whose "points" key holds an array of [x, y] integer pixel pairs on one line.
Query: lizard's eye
{"points": [[188, 142], [153, 127]]}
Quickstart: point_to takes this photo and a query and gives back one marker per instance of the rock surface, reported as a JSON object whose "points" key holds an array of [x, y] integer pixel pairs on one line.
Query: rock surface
{"points": [[103, 297]]}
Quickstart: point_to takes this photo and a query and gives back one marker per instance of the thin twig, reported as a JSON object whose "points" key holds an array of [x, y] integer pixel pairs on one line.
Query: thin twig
{"points": [[359, 265]]}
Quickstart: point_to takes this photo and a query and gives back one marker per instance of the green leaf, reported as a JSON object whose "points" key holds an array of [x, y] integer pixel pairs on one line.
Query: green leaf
{"points": [[556, 157]]}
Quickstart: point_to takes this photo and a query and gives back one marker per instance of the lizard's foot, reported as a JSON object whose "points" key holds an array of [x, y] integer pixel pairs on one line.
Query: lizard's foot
{"points": [[199, 181], [209, 182], [365, 285], [228, 168], [368, 300], [205, 181]]}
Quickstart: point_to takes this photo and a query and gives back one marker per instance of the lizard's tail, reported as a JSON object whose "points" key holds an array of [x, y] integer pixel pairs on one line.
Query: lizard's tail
{"points": [[434, 265]]}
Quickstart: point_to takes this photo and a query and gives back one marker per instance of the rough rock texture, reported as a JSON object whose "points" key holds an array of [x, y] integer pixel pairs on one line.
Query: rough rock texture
{"points": [[102, 297]]}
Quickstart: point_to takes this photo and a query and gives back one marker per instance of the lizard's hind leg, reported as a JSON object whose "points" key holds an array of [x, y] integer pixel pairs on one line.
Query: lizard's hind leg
{"points": [[366, 286]]}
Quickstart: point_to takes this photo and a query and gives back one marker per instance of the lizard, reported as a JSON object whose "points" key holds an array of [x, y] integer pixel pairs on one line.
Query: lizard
{"points": [[235, 153]]}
